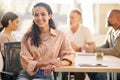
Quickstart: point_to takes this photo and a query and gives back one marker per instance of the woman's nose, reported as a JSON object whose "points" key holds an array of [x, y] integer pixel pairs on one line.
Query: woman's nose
{"points": [[39, 17]]}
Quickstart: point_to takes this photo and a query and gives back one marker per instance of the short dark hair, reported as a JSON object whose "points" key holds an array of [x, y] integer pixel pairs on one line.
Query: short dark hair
{"points": [[117, 12], [77, 11]]}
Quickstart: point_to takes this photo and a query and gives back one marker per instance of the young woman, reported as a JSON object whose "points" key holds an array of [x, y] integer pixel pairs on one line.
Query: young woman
{"points": [[9, 23], [43, 47]]}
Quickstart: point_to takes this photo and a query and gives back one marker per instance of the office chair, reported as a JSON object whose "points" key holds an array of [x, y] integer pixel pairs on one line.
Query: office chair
{"points": [[12, 60]]}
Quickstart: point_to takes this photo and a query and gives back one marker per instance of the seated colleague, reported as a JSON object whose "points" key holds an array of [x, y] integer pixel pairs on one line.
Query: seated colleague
{"points": [[9, 23], [78, 34], [43, 47], [112, 44]]}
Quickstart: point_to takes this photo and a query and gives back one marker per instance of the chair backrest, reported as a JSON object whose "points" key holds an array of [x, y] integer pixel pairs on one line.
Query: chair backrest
{"points": [[12, 59]]}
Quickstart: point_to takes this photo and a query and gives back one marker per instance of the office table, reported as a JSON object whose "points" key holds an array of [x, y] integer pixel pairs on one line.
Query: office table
{"points": [[113, 65]]}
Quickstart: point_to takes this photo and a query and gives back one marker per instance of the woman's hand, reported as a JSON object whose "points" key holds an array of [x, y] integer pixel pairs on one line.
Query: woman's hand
{"points": [[48, 69], [56, 62]]}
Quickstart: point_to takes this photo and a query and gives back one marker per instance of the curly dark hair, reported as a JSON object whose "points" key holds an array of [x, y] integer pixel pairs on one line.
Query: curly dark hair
{"points": [[34, 32]]}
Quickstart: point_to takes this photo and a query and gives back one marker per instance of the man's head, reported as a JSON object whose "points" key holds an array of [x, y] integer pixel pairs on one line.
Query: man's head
{"points": [[114, 19], [75, 17]]}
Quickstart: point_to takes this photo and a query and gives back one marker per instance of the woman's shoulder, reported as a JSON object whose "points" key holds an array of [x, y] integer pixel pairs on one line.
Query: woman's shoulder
{"points": [[2, 35], [3, 38], [60, 32]]}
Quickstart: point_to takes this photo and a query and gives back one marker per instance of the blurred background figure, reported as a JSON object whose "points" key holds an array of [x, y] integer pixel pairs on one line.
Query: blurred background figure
{"points": [[9, 22], [112, 43], [78, 34]]}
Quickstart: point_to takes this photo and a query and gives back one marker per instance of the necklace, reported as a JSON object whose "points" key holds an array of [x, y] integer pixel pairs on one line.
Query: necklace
{"points": [[44, 36]]}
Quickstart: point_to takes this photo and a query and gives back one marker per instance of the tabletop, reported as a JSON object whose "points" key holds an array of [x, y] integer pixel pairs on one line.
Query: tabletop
{"points": [[88, 63]]}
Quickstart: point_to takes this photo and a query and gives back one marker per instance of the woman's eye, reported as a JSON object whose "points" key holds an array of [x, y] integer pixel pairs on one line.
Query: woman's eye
{"points": [[43, 14], [35, 15]]}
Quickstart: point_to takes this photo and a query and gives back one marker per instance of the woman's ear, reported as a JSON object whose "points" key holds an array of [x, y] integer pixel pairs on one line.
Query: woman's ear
{"points": [[50, 15], [9, 22]]}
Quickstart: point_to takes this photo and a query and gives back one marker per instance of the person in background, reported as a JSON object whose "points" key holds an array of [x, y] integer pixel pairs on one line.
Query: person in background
{"points": [[43, 47], [9, 22], [79, 35], [112, 43]]}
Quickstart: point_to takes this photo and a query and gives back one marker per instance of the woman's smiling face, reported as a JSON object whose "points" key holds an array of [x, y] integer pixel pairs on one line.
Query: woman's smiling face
{"points": [[41, 16]]}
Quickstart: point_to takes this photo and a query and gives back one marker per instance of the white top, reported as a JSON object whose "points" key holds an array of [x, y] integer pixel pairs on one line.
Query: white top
{"points": [[81, 37], [1, 62]]}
